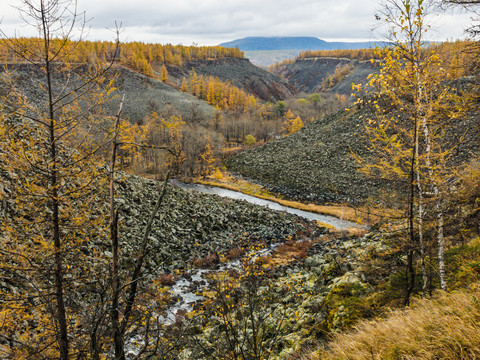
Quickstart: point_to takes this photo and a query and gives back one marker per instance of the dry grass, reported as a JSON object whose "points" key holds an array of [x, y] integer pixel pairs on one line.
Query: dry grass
{"points": [[447, 327], [208, 261], [359, 215], [288, 252]]}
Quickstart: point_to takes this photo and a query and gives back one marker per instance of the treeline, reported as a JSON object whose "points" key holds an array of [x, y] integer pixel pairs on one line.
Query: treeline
{"points": [[459, 55], [357, 54], [141, 56], [137, 55]]}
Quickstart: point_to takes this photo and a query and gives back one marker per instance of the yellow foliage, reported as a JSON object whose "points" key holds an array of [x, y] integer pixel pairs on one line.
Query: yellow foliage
{"points": [[222, 95], [292, 124], [218, 175], [164, 74], [250, 140], [208, 159]]}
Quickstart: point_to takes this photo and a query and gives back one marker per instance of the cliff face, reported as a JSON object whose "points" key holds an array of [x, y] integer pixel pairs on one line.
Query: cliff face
{"points": [[239, 72], [308, 74]]}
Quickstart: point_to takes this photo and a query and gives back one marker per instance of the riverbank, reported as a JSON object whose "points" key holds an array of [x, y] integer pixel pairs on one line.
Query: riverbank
{"points": [[321, 220], [360, 215]]}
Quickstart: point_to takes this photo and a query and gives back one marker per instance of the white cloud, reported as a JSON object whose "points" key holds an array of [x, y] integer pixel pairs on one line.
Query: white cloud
{"points": [[213, 21]]}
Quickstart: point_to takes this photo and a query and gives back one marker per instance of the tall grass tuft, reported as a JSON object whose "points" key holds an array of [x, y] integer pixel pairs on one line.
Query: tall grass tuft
{"points": [[446, 327]]}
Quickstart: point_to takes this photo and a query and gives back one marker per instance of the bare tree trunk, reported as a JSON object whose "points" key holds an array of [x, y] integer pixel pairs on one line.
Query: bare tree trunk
{"points": [[441, 241], [61, 312], [438, 206], [114, 311], [411, 216], [94, 345], [61, 317], [421, 239], [416, 67]]}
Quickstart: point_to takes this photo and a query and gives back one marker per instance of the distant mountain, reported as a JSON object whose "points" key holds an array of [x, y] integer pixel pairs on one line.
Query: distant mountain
{"points": [[292, 43]]}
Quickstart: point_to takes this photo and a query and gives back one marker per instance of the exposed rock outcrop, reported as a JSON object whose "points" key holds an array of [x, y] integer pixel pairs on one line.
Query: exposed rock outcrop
{"points": [[239, 72], [308, 74]]}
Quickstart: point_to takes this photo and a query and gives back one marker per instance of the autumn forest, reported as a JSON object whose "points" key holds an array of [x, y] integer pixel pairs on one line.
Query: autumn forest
{"points": [[163, 201]]}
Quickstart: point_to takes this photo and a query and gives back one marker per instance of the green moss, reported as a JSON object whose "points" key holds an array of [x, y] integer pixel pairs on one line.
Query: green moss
{"points": [[345, 304], [463, 264]]}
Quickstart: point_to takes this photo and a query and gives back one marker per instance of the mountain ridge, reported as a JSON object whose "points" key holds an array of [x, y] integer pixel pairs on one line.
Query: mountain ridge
{"points": [[261, 43]]}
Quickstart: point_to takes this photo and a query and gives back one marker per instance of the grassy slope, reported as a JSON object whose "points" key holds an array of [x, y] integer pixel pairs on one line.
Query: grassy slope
{"points": [[447, 327]]}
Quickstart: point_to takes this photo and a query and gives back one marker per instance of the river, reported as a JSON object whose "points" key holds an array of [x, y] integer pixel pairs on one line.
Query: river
{"points": [[186, 288], [326, 219]]}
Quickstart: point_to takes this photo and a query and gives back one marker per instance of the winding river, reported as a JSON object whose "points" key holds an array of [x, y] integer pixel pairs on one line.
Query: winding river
{"points": [[326, 219], [186, 289]]}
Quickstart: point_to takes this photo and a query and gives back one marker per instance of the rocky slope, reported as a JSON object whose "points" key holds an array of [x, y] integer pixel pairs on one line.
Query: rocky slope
{"points": [[307, 74], [316, 163], [188, 227], [191, 225], [142, 94], [312, 287], [239, 72]]}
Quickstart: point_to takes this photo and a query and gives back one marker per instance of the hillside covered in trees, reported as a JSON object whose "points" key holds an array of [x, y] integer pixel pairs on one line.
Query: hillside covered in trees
{"points": [[336, 70]]}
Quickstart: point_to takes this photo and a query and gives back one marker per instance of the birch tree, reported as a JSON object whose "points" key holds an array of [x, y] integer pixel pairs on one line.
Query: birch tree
{"points": [[414, 107]]}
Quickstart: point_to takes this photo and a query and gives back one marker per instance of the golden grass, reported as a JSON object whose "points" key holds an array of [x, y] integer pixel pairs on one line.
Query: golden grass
{"points": [[447, 327], [358, 215]]}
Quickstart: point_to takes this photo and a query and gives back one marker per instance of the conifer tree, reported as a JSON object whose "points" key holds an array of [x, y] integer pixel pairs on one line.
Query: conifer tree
{"points": [[184, 86], [164, 74], [51, 223], [292, 124]]}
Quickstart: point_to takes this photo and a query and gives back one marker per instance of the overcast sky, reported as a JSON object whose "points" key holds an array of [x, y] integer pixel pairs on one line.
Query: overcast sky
{"points": [[210, 22]]}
